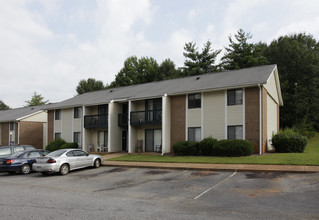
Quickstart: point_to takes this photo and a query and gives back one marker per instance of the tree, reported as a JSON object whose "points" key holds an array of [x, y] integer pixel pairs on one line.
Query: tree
{"points": [[36, 99], [89, 85], [136, 71], [297, 57], [167, 70], [241, 54], [3, 106], [197, 63]]}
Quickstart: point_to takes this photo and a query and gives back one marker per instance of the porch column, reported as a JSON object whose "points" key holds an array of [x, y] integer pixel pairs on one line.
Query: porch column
{"points": [[166, 124]]}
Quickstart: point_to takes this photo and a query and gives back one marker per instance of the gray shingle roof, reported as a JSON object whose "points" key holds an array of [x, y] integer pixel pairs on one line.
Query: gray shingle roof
{"points": [[14, 114], [215, 81]]}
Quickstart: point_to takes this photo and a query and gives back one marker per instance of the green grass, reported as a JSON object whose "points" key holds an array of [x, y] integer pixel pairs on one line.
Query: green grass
{"points": [[309, 157]]}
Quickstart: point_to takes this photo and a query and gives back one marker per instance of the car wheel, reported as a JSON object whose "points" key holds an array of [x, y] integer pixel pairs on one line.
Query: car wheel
{"points": [[64, 169], [25, 169], [12, 172], [97, 163]]}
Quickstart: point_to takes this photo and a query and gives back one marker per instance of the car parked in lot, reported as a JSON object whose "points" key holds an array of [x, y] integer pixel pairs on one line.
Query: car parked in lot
{"points": [[5, 151], [64, 160], [21, 161]]}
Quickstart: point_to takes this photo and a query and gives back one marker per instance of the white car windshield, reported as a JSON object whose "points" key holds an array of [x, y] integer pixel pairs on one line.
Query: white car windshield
{"points": [[56, 153]]}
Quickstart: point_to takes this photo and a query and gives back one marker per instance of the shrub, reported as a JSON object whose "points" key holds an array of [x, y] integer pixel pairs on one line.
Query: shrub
{"points": [[186, 148], [206, 146], [233, 148], [55, 144], [288, 141], [69, 145]]}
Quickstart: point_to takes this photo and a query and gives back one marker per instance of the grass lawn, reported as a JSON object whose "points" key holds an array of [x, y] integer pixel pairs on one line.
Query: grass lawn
{"points": [[309, 157]]}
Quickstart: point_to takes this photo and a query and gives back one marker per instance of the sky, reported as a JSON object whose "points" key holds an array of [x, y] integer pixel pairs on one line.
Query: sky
{"points": [[48, 46]]}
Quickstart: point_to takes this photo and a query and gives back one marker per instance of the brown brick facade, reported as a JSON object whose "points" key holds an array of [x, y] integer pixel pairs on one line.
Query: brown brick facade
{"points": [[31, 133], [50, 125], [178, 111], [4, 133]]}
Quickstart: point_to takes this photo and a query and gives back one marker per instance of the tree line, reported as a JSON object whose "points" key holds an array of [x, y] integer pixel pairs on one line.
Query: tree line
{"points": [[296, 55]]}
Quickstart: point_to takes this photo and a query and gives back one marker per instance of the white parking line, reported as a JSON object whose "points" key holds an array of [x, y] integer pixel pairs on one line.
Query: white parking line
{"points": [[215, 185]]}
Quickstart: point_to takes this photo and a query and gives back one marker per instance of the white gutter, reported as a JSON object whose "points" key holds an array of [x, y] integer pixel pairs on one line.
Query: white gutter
{"points": [[260, 120]]}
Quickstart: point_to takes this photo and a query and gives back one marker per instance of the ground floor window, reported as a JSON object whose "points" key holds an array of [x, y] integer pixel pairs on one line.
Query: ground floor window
{"points": [[194, 134], [57, 135], [153, 140], [77, 138], [102, 141], [235, 132]]}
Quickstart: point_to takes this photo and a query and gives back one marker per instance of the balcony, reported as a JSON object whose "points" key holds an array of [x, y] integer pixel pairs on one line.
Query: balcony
{"points": [[146, 117], [95, 121], [123, 120]]}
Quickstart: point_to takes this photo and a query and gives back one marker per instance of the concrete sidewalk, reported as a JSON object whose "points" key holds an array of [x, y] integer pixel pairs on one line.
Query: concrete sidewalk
{"points": [[205, 166]]}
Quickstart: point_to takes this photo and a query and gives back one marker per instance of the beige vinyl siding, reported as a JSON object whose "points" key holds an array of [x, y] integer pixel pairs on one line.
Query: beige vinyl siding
{"points": [[67, 117], [272, 120], [39, 117], [271, 88], [235, 115], [214, 114], [115, 132], [194, 117]]}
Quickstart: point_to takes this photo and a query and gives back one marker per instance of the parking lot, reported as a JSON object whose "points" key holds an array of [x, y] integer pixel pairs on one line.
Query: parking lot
{"points": [[140, 193]]}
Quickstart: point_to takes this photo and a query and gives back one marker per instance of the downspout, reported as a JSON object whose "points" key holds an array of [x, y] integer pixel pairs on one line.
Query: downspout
{"points": [[260, 120], [18, 132]]}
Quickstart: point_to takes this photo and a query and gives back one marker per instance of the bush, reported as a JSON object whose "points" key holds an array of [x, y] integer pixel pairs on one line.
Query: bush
{"points": [[186, 148], [55, 144], [69, 145], [288, 141], [233, 148], [206, 146]]}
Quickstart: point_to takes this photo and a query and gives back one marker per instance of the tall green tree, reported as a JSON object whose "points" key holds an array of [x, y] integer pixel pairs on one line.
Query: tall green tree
{"points": [[36, 99], [3, 106], [89, 85], [242, 54], [196, 62], [297, 57], [168, 70], [136, 71]]}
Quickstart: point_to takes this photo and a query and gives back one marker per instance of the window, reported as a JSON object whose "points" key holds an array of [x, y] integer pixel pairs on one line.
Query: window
{"points": [[57, 135], [235, 132], [11, 126], [33, 154], [235, 97], [58, 114], [103, 109], [77, 138], [77, 112], [194, 134], [79, 153], [194, 100]]}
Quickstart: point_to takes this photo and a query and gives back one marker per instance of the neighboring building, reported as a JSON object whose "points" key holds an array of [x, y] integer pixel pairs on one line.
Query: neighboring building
{"points": [[239, 104], [23, 126]]}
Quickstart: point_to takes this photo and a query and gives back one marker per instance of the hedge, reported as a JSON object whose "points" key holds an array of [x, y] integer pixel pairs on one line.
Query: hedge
{"points": [[186, 148], [288, 141], [59, 143], [233, 148], [206, 146]]}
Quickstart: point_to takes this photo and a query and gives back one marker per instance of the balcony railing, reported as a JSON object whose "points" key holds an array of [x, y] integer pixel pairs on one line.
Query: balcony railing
{"points": [[146, 117], [96, 121], [123, 120]]}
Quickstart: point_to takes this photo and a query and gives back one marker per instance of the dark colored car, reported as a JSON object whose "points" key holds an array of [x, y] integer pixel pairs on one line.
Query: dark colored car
{"points": [[21, 161], [5, 151]]}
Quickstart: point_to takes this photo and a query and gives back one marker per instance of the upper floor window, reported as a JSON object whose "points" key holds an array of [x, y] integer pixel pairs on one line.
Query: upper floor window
{"points": [[235, 97], [57, 114], [11, 126], [103, 109], [77, 112], [194, 100]]}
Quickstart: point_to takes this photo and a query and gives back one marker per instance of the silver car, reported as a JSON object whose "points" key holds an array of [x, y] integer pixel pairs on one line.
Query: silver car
{"points": [[64, 160]]}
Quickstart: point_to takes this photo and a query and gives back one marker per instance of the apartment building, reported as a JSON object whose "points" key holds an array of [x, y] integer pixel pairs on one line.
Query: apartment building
{"points": [[23, 126], [151, 117]]}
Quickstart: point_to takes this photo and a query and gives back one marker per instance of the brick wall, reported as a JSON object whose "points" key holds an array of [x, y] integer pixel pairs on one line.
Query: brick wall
{"points": [[4, 134], [31, 133], [50, 125], [178, 111]]}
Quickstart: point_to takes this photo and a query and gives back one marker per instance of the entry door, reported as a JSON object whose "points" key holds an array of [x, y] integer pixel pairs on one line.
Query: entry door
{"points": [[124, 140], [102, 139], [152, 138]]}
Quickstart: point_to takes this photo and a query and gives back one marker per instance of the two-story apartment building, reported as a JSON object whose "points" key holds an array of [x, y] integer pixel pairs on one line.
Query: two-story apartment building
{"points": [[23, 126], [151, 117]]}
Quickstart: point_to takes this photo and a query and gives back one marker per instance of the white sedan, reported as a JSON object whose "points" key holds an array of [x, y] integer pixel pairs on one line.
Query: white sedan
{"points": [[64, 160]]}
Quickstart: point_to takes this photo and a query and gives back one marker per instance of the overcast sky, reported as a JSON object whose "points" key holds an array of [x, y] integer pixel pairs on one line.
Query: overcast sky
{"points": [[48, 46]]}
